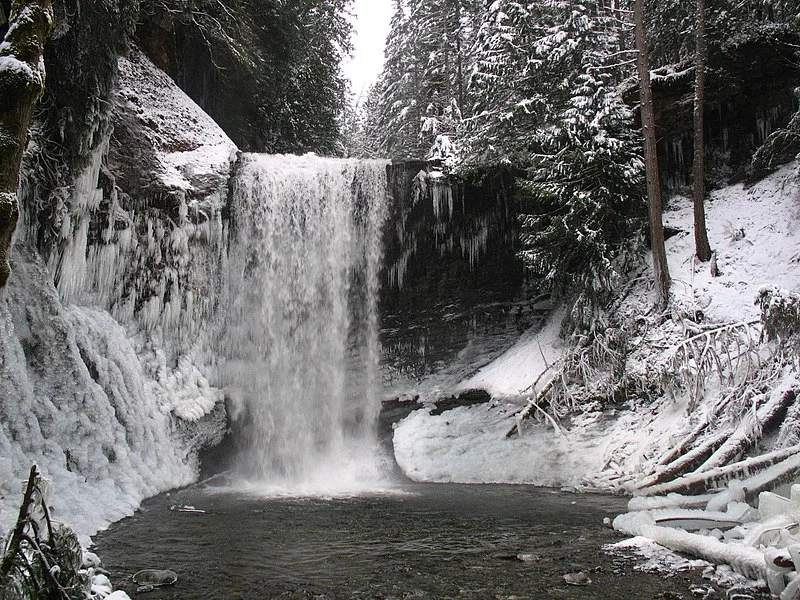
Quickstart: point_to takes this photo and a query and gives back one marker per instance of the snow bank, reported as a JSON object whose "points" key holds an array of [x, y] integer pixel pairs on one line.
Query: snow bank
{"points": [[468, 444], [514, 373]]}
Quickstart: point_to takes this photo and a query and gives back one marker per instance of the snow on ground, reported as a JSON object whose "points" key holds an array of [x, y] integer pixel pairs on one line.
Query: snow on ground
{"points": [[513, 373], [468, 445], [755, 233]]}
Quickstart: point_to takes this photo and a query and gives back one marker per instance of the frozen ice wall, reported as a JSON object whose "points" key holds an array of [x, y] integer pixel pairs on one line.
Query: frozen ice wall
{"points": [[103, 373], [104, 367], [301, 336], [93, 403]]}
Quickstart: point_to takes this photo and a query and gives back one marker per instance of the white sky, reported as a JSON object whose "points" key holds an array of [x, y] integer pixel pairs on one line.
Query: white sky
{"points": [[371, 26]]}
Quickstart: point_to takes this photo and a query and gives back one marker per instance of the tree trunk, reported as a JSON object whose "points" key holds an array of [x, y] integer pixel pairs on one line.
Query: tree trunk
{"points": [[21, 85], [660, 266], [460, 59], [701, 245]]}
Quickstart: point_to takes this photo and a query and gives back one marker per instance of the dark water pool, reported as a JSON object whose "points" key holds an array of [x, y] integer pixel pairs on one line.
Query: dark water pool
{"points": [[424, 541]]}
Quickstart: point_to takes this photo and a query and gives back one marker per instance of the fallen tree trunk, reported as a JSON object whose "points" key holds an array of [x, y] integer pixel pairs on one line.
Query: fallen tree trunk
{"points": [[685, 461], [695, 481], [749, 430], [747, 561], [532, 407]]}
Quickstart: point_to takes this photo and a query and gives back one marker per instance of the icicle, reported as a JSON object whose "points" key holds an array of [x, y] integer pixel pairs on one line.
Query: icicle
{"points": [[473, 245], [441, 197]]}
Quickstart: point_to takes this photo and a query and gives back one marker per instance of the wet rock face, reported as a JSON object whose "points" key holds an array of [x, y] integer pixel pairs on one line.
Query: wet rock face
{"points": [[748, 97], [451, 270]]}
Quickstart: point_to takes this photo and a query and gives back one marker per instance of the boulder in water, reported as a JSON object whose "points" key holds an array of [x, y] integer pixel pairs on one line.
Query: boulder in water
{"points": [[150, 579]]}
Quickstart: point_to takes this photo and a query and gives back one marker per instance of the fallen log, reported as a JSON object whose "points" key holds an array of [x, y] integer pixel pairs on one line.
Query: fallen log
{"points": [[749, 430], [696, 480]]}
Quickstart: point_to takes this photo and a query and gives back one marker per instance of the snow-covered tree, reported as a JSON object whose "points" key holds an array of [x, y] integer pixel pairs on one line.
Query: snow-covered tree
{"points": [[21, 85], [506, 83], [547, 99], [421, 92], [396, 93]]}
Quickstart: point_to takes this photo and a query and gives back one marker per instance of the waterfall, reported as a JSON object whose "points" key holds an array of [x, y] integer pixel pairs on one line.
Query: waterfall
{"points": [[300, 335]]}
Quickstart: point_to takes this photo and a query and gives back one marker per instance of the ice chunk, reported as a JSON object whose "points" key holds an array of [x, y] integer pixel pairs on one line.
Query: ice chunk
{"points": [[771, 504]]}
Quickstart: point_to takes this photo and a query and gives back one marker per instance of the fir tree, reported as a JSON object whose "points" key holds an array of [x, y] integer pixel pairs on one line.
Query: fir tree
{"points": [[547, 82], [421, 92]]}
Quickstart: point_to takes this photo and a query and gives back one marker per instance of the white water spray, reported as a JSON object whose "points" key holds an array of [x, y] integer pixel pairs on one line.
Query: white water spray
{"points": [[301, 334]]}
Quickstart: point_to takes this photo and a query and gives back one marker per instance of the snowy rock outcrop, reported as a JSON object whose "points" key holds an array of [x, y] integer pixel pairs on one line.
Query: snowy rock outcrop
{"points": [[104, 382]]}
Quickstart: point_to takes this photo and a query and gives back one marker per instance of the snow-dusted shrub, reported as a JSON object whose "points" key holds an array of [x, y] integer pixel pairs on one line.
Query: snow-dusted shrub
{"points": [[780, 315]]}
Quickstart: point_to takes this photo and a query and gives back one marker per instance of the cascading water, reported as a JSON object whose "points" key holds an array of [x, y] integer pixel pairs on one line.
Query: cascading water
{"points": [[300, 339]]}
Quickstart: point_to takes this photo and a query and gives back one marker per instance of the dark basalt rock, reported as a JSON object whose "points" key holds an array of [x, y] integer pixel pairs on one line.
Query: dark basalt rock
{"points": [[468, 398], [393, 411], [452, 275]]}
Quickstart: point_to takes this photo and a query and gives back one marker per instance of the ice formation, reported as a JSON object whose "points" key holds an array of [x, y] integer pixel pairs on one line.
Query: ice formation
{"points": [[105, 379], [762, 544]]}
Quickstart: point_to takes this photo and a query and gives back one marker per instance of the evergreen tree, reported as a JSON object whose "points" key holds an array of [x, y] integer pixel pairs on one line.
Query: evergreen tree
{"points": [[506, 84], [421, 92], [397, 97], [547, 99]]}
